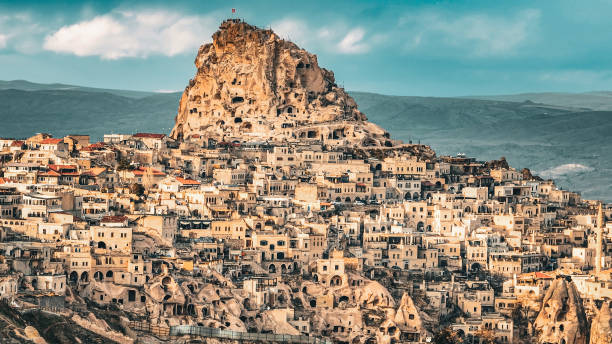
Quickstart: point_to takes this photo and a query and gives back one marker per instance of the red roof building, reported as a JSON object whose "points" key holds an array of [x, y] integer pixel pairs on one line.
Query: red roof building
{"points": [[142, 170], [187, 181], [51, 141], [94, 147], [114, 219], [541, 275], [64, 170], [149, 135]]}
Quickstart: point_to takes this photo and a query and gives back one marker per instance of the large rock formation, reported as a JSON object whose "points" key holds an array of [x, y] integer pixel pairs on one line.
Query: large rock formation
{"points": [[252, 85], [403, 324], [407, 315], [601, 328], [562, 318]]}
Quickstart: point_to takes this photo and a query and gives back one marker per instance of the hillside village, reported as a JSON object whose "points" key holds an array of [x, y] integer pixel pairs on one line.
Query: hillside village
{"points": [[318, 228]]}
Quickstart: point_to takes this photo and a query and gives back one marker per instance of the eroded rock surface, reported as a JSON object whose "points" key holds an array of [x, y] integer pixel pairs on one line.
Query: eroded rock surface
{"points": [[562, 318], [601, 327], [251, 83]]}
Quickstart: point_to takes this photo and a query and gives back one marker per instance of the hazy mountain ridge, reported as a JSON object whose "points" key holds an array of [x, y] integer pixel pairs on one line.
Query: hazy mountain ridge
{"points": [[25, 85], [598, 100], [62, 112], [548, 139], [450, 112]]}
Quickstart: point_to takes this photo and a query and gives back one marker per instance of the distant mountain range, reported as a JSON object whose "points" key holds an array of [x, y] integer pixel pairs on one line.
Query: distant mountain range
{"points": [[67, 109], [561, 135], [25, 85], [601, 100]]}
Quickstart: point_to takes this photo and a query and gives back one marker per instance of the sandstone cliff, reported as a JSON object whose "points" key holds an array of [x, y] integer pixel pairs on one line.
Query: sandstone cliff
{"points": [[252, 85], [562, 318], [405, 319], [601, 328], [407, 314]]}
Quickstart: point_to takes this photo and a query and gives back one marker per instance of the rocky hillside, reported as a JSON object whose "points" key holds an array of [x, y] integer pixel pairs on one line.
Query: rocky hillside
{"points": [[550, 140], [251, 83]]}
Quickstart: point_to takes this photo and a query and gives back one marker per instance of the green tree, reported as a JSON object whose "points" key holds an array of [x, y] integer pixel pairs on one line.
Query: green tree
{"points": [[124, 164], [137, 189], [486, 336], [447, 336]]}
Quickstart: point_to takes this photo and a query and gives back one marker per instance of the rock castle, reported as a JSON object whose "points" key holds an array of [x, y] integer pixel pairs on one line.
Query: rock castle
{"points": [[251, 83]]}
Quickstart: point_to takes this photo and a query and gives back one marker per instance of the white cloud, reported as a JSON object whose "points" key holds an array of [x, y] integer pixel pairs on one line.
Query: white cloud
{"points": [[325, 33], [21, 33], [353, 42], [291, 29], [477, 34], [123, 34], [338, 38]]}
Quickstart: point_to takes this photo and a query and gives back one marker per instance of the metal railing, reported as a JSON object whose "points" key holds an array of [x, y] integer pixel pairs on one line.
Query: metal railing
{"points": [[159, 331], [243, 336]]}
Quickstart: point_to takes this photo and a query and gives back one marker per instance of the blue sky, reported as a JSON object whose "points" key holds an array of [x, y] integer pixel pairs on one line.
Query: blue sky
{"points": [[428, 48]]}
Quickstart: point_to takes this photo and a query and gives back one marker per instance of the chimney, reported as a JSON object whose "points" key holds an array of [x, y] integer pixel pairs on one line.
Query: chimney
{"points": [[599, 246]]}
